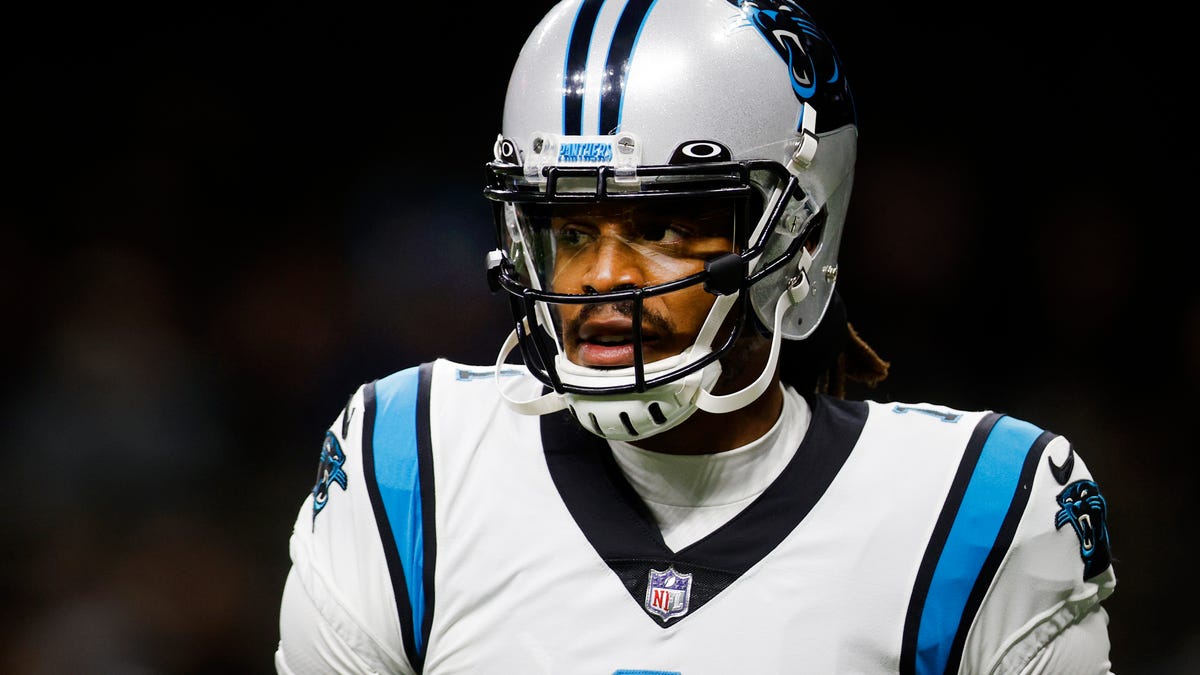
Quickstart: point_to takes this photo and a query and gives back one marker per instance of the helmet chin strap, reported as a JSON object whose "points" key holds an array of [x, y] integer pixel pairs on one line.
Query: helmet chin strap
{"points": [[739, 399], [542, 405]]}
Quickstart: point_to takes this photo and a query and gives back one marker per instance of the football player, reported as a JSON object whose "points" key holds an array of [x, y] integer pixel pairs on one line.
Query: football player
{"points": [[670, 479]]}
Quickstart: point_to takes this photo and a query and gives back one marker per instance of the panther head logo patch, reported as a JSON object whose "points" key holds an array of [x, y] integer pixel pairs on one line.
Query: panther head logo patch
{"points": [[1083, 507], [329, 471]]}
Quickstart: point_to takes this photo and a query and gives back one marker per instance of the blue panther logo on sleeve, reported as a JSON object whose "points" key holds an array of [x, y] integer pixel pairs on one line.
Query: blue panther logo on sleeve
{"points": [[1082, 505], [329, 471]]}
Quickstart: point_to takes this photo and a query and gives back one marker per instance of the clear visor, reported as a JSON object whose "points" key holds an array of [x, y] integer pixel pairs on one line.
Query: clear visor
{"points": [[613, 274]]}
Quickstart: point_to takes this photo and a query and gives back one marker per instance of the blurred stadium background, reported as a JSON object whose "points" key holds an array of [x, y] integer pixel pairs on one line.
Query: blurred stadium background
{"points": [[218, 223]]}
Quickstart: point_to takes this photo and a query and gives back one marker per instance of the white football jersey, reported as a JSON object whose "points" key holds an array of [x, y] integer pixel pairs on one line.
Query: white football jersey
{"points": [[448, 534]]}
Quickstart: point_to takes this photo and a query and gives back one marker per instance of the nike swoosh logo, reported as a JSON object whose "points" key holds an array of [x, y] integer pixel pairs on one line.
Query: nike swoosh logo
{"points": [[1063, 473], [347, 413]]}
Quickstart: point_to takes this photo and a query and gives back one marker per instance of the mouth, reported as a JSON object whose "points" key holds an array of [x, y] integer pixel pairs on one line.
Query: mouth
{"points": [[609, 343], [1085, 526]]}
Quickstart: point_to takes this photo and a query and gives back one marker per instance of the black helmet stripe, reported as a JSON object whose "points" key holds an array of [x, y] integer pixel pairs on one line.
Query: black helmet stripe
{"points": [[616, 69], [576, 66]]}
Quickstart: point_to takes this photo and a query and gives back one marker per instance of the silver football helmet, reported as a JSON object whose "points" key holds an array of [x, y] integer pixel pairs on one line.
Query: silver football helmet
{"points": [[658, 155]]}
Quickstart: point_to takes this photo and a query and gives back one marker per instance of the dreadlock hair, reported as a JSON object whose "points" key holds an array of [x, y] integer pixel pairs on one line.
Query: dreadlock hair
{"points": [[857, 363], [832, 358]]}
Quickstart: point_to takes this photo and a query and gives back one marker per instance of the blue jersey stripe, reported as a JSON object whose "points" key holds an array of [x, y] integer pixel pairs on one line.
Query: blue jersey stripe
{"points": [[978, 521], [398, 478]]}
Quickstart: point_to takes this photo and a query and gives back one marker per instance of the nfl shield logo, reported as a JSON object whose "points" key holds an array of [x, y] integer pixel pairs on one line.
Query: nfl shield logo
{"points": [[668, 593]]}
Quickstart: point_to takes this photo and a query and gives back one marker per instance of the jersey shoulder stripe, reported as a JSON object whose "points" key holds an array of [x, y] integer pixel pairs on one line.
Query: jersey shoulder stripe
{"points": [[399, 473], [973, 532]]}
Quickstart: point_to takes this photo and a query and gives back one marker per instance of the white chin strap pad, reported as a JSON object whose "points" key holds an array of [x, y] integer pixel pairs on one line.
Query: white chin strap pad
{"points": [[627, 417]]}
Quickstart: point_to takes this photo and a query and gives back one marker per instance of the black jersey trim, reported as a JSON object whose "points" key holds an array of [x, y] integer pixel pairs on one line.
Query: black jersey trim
{"points": [[621, 529], [428, 497]]}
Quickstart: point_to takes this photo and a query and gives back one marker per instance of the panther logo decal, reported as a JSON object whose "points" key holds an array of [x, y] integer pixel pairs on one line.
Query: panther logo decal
{"points": [[816, 72], [1084, 508], [329, 471]]}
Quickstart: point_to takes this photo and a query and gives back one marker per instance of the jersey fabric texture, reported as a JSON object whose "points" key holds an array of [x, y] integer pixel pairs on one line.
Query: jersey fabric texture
{"points": [[447, 534]]}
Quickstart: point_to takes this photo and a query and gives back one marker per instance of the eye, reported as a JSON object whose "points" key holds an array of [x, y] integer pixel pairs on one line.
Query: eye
{"points": [[662, 234], [572, 236]]}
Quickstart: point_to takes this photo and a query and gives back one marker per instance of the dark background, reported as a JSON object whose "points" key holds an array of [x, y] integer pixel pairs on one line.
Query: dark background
{"points": [[218, 223]]}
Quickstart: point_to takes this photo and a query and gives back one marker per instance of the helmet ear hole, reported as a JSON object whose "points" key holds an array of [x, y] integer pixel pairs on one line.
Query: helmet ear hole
{"points": [[817, 230]]}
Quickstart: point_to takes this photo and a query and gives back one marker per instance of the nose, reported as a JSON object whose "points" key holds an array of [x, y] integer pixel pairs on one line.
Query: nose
{"points": [[615, 266]]}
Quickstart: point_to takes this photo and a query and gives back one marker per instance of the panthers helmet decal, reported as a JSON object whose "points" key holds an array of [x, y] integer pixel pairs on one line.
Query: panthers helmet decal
{"points": [[808, 53]]}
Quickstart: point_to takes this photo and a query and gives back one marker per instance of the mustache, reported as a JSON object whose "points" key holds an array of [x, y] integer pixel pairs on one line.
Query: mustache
{"points": [[650, 318]]}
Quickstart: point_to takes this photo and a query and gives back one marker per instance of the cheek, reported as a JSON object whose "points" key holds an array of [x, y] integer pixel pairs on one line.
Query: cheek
{"points": [[688, 309], [564, 315], [659, 268], [565, 278]]}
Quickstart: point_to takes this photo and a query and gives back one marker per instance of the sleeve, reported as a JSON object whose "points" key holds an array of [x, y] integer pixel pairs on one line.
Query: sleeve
{"points": [[337, 612], [1043, 612]]}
